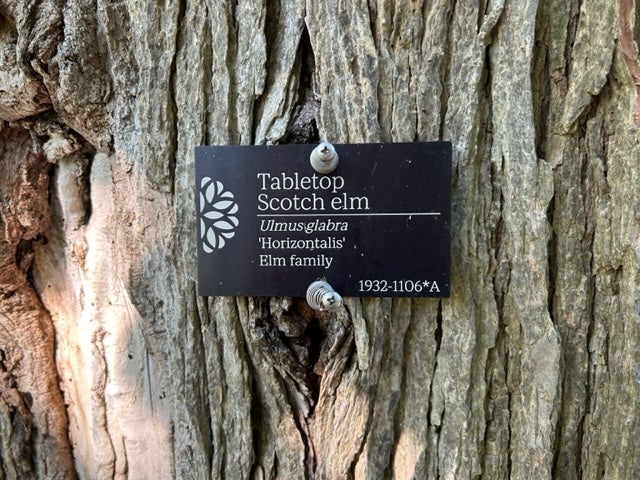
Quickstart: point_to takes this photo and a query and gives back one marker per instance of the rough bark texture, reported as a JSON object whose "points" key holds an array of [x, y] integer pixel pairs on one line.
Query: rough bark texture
{"points": [[112, 367]]}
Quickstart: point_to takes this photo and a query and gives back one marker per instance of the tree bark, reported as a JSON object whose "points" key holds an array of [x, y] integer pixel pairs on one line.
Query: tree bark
{"points": [[111, 366]]}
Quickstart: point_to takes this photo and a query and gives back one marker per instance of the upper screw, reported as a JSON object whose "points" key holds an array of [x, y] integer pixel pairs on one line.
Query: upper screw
{"points": [[324, 158]]}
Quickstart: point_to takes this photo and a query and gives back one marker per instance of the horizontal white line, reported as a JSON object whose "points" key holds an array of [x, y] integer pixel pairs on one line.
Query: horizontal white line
{"points": [[394, 214]]}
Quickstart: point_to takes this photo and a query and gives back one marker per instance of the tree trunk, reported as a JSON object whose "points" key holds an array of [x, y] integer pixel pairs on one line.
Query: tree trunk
{"points": [[111, 366]]}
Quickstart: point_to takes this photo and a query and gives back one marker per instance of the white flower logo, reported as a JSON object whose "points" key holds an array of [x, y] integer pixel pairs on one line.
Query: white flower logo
{"points": [[217, 215]]}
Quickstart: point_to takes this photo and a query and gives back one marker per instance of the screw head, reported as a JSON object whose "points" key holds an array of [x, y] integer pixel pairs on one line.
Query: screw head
{"points": [[321, 296], [331, 301], [324, 158]]}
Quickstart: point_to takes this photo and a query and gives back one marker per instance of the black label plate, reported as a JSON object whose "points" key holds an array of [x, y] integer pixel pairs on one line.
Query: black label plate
{"points": [[379, 225]]}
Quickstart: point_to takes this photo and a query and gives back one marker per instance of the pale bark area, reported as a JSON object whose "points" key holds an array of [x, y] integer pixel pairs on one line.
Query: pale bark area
{"points": [[529, 370]]}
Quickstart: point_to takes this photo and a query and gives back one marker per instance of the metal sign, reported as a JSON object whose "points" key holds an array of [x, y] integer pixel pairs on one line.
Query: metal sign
{"points": [[378, 225]]}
